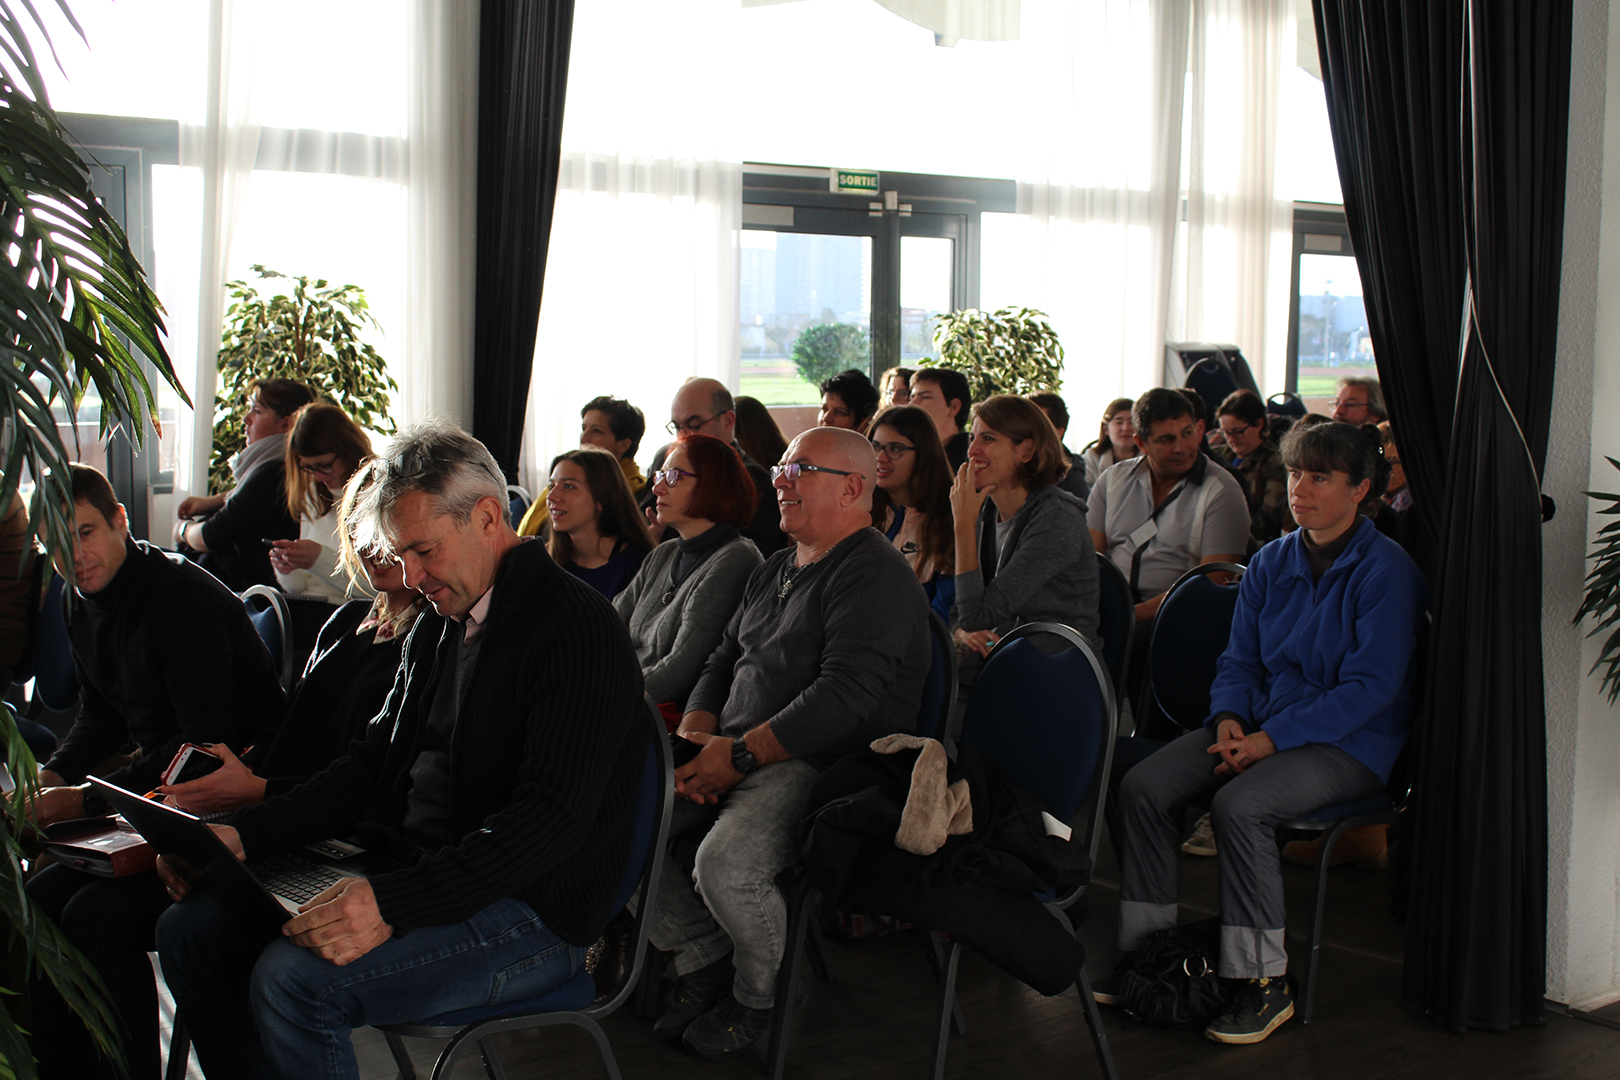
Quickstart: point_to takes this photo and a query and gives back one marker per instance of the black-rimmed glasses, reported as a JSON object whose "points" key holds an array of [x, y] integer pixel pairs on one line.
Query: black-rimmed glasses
{"points": [[892, 449], [690, 424], [791, 470], [317, 468], [671, 477], [1237, 432]]}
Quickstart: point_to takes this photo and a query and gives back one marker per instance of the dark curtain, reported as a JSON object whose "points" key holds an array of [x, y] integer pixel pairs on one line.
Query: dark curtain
{"points": [[1449, 123], [522, 79]]}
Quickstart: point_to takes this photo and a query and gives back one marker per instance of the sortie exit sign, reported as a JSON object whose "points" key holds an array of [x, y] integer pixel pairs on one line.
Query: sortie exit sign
{"points": [[853, 182]]}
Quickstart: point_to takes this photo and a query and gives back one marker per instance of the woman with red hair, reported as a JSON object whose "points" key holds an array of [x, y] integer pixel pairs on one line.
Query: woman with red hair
{"points": [[685, 592]]}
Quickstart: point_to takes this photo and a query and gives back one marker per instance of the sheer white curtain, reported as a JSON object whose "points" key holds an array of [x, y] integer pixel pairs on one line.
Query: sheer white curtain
{"points": [[641, 276]]}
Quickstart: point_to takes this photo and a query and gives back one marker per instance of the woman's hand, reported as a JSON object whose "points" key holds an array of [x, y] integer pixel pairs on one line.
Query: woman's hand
{"points": [[228, 787], [289, 555], [979, 641], [1237, 750], [199, 505], [965, 501]]}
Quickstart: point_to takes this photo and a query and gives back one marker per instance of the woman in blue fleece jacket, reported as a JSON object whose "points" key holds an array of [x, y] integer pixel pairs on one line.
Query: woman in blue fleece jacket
{"points": [[1311, 703]]}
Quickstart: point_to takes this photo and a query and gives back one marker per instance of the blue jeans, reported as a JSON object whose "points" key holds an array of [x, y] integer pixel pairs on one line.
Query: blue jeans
{"points": [[259, 1006]]}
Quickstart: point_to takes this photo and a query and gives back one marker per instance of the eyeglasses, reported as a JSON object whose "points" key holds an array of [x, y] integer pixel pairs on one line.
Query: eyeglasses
{"points": [[692, 423], [893, 449], [1237, 432], [792, 469], [317, 469], [1347, 405], [671, 477]]}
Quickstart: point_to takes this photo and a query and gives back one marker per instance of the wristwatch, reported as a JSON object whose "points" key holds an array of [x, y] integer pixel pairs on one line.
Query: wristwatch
{"points": [[95, 803], [741, 758]]}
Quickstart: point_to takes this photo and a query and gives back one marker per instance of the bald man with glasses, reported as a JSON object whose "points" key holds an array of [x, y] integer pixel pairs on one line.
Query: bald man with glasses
{"points": [[827, 652]]}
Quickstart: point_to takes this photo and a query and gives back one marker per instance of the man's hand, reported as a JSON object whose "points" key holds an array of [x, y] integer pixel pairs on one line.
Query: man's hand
{"points": [[289, 555], [56, 803], [177, 874], [228, 787], [49, 778], [709, 775], [700, 723], [1148, 608], [342, 924], [1237, 750], [979, 641]]}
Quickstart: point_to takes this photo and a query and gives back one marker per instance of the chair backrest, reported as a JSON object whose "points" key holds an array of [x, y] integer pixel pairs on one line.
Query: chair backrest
{"points": [[1116, 619], [48, 657], [1047, 719], [1189, 635], [1286, 403], [273, 622], [939, 688], [518, 503], [649, 835]]}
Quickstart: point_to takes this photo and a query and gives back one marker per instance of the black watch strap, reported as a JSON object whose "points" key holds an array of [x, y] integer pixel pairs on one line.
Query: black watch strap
{"points": [[742, 759], [95, 803]]}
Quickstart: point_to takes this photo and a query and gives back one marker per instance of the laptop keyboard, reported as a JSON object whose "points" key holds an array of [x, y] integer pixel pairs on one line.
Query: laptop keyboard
{"points": [[295, 877]]}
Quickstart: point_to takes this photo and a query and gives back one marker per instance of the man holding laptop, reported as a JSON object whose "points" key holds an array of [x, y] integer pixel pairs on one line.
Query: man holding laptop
{"points": [[501, 774]]}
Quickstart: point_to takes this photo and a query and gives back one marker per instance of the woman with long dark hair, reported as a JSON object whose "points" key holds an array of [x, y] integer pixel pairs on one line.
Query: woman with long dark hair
{"points": [[1116, 440], [915, 479], [324, 449], [758, 433], [597, 534]]}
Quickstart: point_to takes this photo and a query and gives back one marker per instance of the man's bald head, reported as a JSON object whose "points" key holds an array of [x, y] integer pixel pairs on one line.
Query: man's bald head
{"points": [[834, 499], [704, 406], [846, 450]]}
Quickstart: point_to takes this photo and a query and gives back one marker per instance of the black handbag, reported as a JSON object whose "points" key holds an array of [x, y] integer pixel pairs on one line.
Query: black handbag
{"points": [[1171, 982]]}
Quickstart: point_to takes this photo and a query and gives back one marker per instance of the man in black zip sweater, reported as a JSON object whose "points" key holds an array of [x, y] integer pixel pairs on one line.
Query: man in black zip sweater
{"points": [[503, 768]]}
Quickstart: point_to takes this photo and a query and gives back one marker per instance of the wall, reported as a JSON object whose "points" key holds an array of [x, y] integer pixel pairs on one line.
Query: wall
{"points": [[1583, 731]]}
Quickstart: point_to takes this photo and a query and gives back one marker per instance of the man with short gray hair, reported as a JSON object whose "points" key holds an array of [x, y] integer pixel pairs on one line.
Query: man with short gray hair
{"points": [[827, 652], [502, 772], [1359, 400]]}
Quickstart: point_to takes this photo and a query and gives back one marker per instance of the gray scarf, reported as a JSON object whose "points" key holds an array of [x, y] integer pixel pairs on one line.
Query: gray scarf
{"points": [[256, 456]]}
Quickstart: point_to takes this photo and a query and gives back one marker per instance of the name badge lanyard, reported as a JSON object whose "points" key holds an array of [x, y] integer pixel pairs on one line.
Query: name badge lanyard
{"points": [[1144, 534]]}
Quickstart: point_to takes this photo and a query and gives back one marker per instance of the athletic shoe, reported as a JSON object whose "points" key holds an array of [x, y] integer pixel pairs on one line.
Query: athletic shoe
{"points": [[1365, 845], [695, 994], [1257, 1010], [728, 1028], [1202, 840], [1105, 991]]}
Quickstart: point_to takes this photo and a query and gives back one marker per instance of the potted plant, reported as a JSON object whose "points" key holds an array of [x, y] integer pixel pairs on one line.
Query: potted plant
{"points": [[77, 314], [310, 333], [1010, 351], [1602, 600]]}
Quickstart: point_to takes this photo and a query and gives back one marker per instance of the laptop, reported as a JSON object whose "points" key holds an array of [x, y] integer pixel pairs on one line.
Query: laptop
{"points": [[268, 890]]}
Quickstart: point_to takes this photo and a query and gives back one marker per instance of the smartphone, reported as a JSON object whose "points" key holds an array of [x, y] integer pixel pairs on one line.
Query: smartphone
{"points": [[683, 749], [192, 762]]}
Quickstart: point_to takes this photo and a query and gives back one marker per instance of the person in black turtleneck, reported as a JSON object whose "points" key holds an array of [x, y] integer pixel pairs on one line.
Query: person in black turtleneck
{"points": [[680, 601]]}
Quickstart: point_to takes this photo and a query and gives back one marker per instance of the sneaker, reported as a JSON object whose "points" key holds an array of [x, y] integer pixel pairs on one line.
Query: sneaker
{"points": [[728, 1028], [1255, 1012], [1202, 840], [1105, 991], [1365, 845], [695, 994]]}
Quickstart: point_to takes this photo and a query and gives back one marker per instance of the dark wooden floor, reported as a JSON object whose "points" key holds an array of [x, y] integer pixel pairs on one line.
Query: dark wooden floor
{"points": [[875, 1020]]}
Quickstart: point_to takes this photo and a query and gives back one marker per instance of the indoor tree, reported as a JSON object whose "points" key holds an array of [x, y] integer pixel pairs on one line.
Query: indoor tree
{"points": [[76, 313], [1008, 351]]}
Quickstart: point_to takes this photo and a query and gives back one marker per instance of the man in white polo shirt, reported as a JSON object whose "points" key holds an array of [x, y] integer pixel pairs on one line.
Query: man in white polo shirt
{"points": [[1167, 510]]}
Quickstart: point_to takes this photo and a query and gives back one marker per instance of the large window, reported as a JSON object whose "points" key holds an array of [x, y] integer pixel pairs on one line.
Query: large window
{"points": [[1327, 336]]}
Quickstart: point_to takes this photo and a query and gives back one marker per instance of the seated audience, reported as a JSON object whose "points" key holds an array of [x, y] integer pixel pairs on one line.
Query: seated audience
{"points": [[1359, 400], [894, 386], [324, 448], [1057, 411], [682, 597], [597, 533], [111, 921], [848, 400], [1311, 703], [758, 433], [946, 397], [915, 481], [705, 407], [827, 652], [616, 426], [512, 846], [1248, 445], [1210, 440], [1116, 440], [225, 534], [1023, 553]]}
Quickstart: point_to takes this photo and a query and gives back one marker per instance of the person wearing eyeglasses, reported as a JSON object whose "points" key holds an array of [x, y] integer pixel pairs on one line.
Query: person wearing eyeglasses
{"points": [[225, 533], [1243, 423], [1023, 553], [680, 600], [914, 500], [705, 407], [827, 652], [597, 533], [1359, 400], [894, 386], [324, 448]]}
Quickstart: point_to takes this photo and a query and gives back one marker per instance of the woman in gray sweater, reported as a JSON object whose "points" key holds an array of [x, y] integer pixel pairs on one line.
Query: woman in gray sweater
{"points": [[680, 600], [1023, 551]]}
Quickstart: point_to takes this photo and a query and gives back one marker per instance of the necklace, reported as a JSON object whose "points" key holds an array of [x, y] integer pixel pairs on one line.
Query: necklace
{"points": [[790, 578]]}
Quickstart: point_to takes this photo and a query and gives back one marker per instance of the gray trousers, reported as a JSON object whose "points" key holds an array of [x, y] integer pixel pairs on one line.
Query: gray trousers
{"points": [[730, 902], [1245, 810]]}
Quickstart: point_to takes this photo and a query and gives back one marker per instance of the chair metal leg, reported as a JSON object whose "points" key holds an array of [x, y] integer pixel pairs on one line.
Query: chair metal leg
{"points": [[787, 979], [179, 1051], [1307, 997], [936, 960], [1099, 1037], [402, 1057], [819, 960], [650, 990], [494, 1068], [947, 1005]]}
